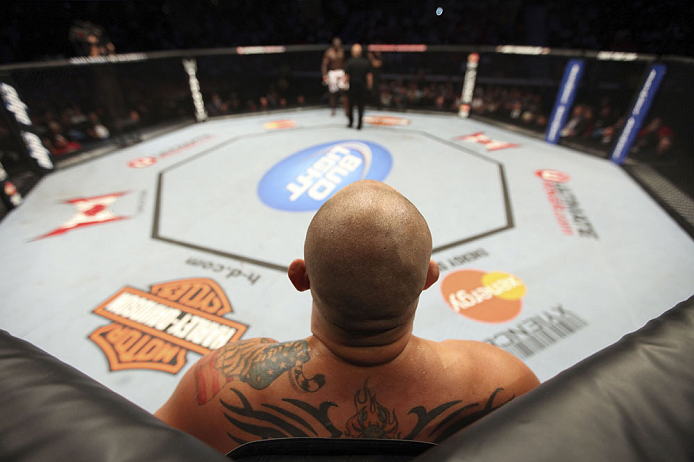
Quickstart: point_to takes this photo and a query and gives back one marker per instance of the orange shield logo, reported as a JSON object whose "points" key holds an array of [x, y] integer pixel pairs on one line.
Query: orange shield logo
{"points": [[156, 329]]}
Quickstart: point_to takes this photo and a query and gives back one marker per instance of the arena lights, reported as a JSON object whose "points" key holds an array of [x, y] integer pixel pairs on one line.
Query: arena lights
{"points": [[260, 50], [401, 48], [439, 11], [522, 50]]}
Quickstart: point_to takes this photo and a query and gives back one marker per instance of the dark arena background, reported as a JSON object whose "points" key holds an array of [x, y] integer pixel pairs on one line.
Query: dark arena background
{"points": [[167, 157]]}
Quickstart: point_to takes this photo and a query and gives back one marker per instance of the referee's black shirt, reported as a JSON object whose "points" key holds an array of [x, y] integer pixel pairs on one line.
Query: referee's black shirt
{"points": [[357, 68]]}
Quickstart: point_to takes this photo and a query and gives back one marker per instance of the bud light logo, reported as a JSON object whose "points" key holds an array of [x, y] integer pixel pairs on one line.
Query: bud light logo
{"points": [[303, 181]]}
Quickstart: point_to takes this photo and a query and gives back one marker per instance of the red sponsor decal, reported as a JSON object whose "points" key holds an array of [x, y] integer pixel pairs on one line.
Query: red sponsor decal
{"points": [[280, 124], [142, 162], [386, 120], [148, 161], [490, 144], [90, 211]]}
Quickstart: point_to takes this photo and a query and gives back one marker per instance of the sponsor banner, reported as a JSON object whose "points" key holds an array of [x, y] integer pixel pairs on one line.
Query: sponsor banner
{"points": [[260, 50], [191, 68], [567, 210], [490, 144], [89, 211], [279, 124], [491, 297], [303, 181], [565, 98], [522, 50], [617, 56], [144, 162], [399, 48], [386, 121], [17, 114], [122, 58], [155, 330], [638, 113], [537, 333], [468, 84]]}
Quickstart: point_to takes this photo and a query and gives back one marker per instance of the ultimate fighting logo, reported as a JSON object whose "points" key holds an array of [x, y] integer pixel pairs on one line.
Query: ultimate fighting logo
{"points": [[565, 204], [156, 329], [490, 144], [90, 211], [303, 181]]}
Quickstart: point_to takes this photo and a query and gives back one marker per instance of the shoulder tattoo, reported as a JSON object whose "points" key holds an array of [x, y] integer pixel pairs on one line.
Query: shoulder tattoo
{"points": [[257, 362], [371, 418]]}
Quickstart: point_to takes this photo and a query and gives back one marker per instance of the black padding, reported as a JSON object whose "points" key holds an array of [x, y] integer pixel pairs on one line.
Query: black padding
{"points": [[632, 401], [328, 449], [50, 411]]}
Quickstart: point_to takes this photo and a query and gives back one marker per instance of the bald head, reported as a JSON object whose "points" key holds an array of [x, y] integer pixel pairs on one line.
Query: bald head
{"points": [[356, 50], [367, 254]]}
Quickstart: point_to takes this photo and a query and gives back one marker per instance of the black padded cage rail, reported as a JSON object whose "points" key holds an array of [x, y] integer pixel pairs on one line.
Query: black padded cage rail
{"points": [[84, 107], [633, 400]]}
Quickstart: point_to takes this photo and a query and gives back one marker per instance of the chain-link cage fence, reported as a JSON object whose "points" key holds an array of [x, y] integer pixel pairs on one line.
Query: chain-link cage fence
{"points": [[86, 105]]}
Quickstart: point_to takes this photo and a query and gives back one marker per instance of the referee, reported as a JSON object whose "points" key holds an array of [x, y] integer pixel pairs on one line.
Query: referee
{"points": [[360, 79]]}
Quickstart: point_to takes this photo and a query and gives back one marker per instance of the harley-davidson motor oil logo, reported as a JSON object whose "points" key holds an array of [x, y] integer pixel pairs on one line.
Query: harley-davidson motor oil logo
{"points": [[156, 329]]}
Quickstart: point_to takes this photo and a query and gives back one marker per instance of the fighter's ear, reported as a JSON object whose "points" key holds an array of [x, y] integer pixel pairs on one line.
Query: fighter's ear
{"points": [[432, 274], [298, 275]]}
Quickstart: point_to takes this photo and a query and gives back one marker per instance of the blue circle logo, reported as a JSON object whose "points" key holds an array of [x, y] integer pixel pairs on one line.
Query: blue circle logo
{"points": [[303, 181]]}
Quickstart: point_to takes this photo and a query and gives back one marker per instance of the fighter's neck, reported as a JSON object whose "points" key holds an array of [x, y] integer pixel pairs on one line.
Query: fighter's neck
{"points": [[370, 350]]}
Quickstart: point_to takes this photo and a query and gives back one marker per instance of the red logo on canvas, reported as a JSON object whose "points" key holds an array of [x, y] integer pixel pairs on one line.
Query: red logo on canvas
{"points": [[280, 124], [490, 144], [148, 161], [142, 162], [89, 211], [386, 120], [487, 297], [156, 329], [565, 205]]}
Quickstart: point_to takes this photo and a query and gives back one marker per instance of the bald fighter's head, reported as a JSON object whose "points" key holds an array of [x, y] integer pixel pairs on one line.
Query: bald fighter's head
{"points": [[367, 258]]}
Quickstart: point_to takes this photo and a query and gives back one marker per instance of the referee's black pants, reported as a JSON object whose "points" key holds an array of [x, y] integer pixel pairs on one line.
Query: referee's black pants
{"points": [[357, 97]]}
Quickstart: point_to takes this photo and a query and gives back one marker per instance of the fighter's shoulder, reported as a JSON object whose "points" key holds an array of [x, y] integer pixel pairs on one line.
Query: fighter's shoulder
{"points": [[492, 362]]}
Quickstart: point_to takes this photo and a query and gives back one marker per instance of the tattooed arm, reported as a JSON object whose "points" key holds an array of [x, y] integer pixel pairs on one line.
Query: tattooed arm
{"points": [[255, 363]]}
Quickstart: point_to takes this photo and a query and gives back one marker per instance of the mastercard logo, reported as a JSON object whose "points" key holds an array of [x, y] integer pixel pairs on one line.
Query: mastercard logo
{"points": [[493, 297], [280, 124], [386, 120]]}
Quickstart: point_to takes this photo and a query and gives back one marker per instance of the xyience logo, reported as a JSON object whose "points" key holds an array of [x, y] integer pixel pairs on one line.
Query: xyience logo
{"points": [[487, 297], [303, 181], [156, 329]]}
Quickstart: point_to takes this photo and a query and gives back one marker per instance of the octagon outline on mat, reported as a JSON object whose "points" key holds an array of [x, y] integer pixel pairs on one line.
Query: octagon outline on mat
{"points": [[275, 266]]}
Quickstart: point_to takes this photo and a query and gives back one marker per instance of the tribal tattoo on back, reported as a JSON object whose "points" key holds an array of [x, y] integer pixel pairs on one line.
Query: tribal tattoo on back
{"points": [[257, 362], [372, 419]]}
